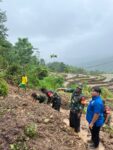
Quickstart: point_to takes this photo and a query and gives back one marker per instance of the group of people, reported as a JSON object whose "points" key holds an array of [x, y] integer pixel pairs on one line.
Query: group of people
{"points": [[49, 98], [97, 112]]}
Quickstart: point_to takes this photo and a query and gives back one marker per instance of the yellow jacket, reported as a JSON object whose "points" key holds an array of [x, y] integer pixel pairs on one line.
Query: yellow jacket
{"points": [[24, 79]]}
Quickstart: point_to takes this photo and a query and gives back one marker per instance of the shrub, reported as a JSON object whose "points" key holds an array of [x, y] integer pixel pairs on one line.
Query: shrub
{"points": [[42, 73], [52, 82], [31, 130], [106, 93], [3, 87], [13, 73], [14, 69], [18, 146]]}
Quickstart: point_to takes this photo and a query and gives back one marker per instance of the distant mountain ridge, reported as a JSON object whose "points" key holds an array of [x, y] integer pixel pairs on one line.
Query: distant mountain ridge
{"points": [[105, 65]]}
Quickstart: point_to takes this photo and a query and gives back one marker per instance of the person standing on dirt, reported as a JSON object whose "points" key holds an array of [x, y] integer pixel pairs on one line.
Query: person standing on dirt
{"points": [[107, 114], [23, 83], [77, 104], [95, 116]]}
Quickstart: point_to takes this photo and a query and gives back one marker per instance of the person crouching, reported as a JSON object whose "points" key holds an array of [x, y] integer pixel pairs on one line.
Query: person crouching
{"points": [[39, 98], [56, 102]]}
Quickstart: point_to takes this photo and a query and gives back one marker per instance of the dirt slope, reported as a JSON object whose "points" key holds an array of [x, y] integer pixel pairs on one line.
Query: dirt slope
{"points": [[17, 113]]}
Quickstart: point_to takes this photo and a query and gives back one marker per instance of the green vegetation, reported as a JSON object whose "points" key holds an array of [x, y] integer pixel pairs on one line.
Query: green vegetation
{"points": [[61, 67], [106, 94], [52, 82], [18, 146], [31, 130], [108, 129], [3, 88], [19, 58]]}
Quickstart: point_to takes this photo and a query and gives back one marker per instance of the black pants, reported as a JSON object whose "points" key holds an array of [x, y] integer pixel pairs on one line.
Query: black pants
{"points": [[49, 100], [95, 135], [75, 120], [56, 106]]}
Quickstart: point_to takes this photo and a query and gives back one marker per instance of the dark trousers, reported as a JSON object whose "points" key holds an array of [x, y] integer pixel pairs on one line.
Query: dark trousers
{"points": [[49, 100], [75, 120], [56, 106], [95, 135]]}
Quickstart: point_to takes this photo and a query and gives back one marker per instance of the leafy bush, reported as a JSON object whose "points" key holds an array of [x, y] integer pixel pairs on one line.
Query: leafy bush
{"points": [[33, 81], [3, 62], [13, 73], [106, 93], [14, 69], [52, 82], [31, 130], [3, 87], [18, 146], [42, 73]]}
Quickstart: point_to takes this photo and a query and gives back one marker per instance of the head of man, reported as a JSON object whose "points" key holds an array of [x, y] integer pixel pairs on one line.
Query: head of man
{"points": [[34, 95], [96, 91], [43, 90], [79, 89]]}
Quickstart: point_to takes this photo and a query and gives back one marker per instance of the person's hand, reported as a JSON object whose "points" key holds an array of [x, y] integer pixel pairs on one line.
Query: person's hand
{"points": [[106, 121], [91, 125]]}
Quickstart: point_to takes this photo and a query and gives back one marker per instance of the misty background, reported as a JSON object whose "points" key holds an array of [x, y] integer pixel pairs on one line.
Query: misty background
{"points": [[79, 32]]}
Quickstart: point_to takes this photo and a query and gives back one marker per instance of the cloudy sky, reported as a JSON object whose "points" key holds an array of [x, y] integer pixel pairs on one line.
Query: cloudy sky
{"points": [[76, 30]]}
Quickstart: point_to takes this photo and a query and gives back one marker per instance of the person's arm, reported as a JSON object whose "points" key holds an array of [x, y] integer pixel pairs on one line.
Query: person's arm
{"points": [[60, 89], [70, 90], [97, 109], [107, 117], [95, 118]]}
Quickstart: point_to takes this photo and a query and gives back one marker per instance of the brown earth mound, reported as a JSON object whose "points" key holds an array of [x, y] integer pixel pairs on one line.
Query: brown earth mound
{"points": [[25, 125]]}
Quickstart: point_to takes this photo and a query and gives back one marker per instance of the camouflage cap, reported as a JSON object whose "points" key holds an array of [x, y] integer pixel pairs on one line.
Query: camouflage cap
{"points": [[80, 86]]}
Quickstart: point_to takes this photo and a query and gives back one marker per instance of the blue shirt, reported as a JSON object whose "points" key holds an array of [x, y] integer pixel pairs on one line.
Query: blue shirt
{"points": [[95, 106]]}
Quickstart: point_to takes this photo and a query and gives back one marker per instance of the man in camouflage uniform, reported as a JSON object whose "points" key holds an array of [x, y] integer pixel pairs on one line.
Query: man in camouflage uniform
{"points": [[76, 106]]}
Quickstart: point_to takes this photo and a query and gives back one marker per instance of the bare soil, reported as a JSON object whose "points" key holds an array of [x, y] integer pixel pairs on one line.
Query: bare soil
{"points": [[17, 112]]}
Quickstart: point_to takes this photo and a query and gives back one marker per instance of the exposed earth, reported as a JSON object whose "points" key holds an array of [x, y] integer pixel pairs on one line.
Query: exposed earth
{"points": [[28, 125]]}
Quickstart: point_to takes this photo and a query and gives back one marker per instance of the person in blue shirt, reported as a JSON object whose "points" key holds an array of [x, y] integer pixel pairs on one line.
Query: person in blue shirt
{"points": [[95, 116]]}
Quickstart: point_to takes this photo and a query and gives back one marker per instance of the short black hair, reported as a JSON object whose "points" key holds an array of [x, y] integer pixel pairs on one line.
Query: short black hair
{"points": [[43, 89], [97, 89], [34, 95]]}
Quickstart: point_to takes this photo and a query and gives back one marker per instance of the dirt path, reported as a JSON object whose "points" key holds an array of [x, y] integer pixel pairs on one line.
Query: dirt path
{"points": [[84, 134], [108, 77]]}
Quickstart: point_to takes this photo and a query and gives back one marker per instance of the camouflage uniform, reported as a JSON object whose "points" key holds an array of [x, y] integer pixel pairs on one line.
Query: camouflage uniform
{"points": [[75, 109]]}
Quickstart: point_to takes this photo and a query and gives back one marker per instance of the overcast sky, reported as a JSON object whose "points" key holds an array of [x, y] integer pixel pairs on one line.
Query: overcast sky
{"points": [[76, 30]]}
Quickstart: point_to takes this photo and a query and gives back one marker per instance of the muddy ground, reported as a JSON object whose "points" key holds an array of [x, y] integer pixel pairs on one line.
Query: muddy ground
{"points": [[48, 129], [25, 125]]}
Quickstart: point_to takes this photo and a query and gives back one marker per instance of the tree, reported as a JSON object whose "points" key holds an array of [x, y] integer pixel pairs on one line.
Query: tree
{"points": [[42, 62], [23, 51], [53, 56], [3, 29], [5, 46]]}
